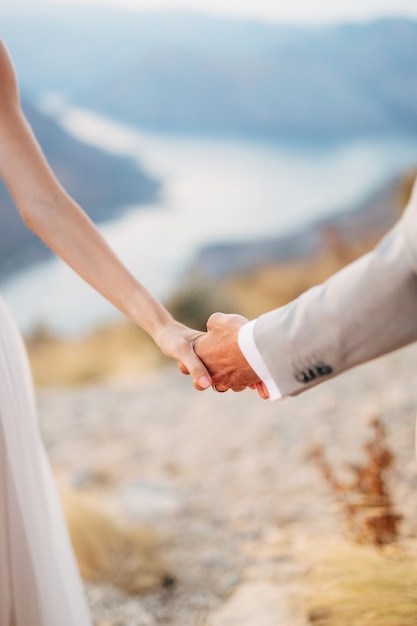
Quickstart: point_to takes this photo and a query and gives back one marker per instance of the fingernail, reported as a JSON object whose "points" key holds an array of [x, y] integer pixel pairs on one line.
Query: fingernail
{"points": [[204, 381]]}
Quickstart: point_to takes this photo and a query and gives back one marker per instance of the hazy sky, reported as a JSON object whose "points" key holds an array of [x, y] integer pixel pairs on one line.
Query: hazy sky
{"points": [[266, 10]]}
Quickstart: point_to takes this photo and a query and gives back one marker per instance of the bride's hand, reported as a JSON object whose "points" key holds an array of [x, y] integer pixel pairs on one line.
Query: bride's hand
{"points": [[177, 341]]}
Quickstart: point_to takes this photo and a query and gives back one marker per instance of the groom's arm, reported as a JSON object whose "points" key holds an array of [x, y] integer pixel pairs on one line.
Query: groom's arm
{"points": [[367, 309]]}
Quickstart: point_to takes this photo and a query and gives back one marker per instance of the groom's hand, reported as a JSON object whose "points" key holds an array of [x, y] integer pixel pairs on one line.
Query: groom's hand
{"points": [[220, 352]]}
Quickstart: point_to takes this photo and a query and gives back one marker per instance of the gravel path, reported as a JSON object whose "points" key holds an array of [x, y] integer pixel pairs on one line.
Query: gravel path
{"points": [[229, 479]]}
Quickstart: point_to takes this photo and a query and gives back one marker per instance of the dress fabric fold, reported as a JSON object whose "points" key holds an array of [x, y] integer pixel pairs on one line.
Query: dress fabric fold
{"points": [[39, 580]]}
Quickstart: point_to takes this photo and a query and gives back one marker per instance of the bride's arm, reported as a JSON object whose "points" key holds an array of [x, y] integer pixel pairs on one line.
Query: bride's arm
{"points": [[57, 219]]}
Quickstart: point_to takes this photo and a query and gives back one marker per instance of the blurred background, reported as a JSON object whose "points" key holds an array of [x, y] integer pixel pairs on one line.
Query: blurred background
{"points": [[233, 153], [205, 138]]}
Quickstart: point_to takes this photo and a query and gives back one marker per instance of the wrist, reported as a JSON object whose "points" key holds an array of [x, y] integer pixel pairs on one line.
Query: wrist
{"points": [[164, 329], [160, 326], [150, 315]]}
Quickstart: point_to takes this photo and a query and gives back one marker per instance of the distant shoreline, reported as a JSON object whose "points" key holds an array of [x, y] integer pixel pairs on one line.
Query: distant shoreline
{"points": [[369, 219], [239, 202]]}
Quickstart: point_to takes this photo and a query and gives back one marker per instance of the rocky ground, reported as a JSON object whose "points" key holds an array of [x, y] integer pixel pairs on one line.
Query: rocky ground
{"points": [[228, 478]]}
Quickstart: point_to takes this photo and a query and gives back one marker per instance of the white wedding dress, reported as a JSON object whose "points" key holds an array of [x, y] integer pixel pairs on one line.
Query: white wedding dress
{"points": [[39, 580]]}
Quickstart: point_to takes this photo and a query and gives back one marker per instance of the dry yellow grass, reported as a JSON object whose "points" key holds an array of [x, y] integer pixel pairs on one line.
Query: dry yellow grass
{"points": [[271, 286], [115, 350], [111, 552], [364, 497], [358, 586]]}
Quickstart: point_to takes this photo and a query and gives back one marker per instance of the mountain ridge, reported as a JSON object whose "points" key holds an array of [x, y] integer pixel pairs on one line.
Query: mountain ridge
{"points": [[190, 73], [366, 221], [104, 184]]}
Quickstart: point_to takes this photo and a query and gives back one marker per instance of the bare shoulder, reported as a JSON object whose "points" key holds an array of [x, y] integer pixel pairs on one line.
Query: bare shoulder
{"points": [[9, 93]]}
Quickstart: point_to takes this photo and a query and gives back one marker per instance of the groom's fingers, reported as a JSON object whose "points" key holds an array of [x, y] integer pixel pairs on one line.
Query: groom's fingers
{"points": [[262, 390], [217, 320]]}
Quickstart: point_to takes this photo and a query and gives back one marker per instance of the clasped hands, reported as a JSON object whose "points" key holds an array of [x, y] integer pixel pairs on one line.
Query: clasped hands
{"points": [[218, 349]]}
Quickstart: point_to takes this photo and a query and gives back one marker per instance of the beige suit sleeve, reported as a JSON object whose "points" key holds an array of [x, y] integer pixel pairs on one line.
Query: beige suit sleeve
{"points": [[364, 311]]}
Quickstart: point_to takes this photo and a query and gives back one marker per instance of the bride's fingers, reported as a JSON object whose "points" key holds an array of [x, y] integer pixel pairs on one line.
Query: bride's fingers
{"points": [[192, 364], [182, 368]]}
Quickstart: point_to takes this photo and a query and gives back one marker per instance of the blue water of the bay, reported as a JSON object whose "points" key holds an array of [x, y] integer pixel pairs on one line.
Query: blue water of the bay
{"points": [[213, 190]]}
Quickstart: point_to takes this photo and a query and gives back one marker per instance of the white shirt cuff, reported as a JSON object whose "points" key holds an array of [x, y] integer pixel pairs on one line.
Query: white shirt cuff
{"points": [[249, 349]]}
